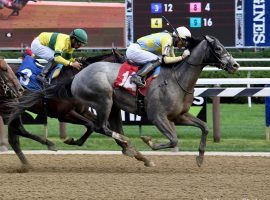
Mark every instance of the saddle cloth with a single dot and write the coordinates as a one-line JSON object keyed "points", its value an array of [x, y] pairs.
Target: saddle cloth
{"points": [[28, 71], [124, 75]]}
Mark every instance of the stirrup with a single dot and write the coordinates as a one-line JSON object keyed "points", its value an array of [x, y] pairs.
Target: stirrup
{"points": [[42, 79], [137, 80]]}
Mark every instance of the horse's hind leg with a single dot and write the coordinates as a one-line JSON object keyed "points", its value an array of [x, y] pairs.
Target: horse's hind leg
{"points": [[17, 126], [189, 120], [115, 121], [103, 112]]}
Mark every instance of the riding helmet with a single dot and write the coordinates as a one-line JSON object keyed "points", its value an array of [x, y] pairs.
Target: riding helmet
{"points": [[80, 35], [183, 32]]}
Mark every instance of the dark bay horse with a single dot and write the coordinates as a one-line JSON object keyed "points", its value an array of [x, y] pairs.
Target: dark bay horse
{"points": [[167, 101], [10, 87], [65, 110]]}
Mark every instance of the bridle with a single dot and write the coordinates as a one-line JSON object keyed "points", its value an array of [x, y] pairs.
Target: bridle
{"points": [[117, 57], [7, 88], [218, 64]]}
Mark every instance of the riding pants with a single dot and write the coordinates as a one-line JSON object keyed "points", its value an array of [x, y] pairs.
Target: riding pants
{"points": [[140, 56], [42, 51]]}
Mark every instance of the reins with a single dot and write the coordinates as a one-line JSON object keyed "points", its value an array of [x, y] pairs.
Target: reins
{"points": [[218, 65], [8, 90], [177, 81]]}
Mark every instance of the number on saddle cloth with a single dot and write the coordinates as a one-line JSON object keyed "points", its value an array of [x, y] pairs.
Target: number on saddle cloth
{"points": [[27, 73], [124, 76]]}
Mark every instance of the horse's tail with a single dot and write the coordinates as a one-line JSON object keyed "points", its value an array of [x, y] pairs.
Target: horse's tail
{"points": [[60, 90]]}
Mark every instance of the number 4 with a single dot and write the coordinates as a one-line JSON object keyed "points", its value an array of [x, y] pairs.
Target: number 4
{"points": [[207, 7]]}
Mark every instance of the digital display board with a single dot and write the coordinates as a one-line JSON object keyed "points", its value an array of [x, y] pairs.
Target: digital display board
{"points": [[202, 17], [236, 23]]}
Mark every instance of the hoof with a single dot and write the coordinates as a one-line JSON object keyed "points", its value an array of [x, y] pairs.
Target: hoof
{"points": [[70, 141], [149, 164], [199, 160], [128, 152], [52, 148], [24, 168], [146, 139]]}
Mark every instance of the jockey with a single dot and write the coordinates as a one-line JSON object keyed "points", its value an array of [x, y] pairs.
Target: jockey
{"points": [[7, 3], [150, 50], [57, 48]]}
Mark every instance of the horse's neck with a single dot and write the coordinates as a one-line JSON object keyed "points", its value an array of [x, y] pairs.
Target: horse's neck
{"points": [[65, 74], [14, 67], [188, 74]]}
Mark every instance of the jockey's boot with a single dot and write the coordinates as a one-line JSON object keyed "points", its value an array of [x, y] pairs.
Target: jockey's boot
{"points": [[137, 78], [42, 77]]}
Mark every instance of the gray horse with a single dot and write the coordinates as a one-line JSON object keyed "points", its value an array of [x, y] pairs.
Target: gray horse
{"points": [[167, 101]]}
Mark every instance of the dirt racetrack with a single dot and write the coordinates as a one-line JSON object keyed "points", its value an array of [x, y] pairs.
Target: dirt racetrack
{"points": [[116, 177]]}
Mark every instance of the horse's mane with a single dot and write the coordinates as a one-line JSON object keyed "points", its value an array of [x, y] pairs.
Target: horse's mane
{"points": [[193, 42], [167, 70], [97, 58]]}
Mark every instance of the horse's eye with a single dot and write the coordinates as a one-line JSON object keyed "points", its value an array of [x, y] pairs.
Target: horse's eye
{"points": [[218, 48]]}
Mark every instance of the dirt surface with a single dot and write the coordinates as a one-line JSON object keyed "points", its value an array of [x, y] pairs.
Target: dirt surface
{"points": [[116, 177]]}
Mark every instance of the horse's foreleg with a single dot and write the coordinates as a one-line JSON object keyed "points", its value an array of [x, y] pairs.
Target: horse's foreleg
{"points": [[81, 140], [77, 118], [166, 128], [14, 141], [189, 120]]}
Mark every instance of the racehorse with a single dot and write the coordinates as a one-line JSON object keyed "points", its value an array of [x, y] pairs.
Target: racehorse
{"points": [[167, 101], [14, 5], [71, 111], [10, 87]]}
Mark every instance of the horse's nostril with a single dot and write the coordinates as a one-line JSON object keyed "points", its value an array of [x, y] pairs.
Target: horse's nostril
{"points": [[236, 65]]}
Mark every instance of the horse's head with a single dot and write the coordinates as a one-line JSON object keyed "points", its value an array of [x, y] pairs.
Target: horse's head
{"points": [[220, 56], [119, 57], [9, 84]]}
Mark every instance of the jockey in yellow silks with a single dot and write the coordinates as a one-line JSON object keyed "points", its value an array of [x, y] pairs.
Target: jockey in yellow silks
{"points": [[57, 48], [152, 49]]}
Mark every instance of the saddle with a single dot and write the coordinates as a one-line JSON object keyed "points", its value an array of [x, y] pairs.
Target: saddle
{"points": [[123, 81], [28, 71]]}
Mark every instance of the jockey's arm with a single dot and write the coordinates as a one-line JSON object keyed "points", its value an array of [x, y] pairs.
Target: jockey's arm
{"points": [[58, 58], [169, 59], [169, 56], [63, 54]]}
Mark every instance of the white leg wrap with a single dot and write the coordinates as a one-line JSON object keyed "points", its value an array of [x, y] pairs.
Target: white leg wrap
{"points": [[116, 135]]}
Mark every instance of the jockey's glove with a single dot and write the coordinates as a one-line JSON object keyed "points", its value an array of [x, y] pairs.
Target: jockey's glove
{"points": [[186, 53], [81, 60]]}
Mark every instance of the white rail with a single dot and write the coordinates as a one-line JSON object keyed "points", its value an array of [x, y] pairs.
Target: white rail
{"points": [[18, 61], [240, 69], [232, 81]]}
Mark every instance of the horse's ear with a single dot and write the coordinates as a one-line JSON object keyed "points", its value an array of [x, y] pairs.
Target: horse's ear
{"points": [[209, 39]]}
